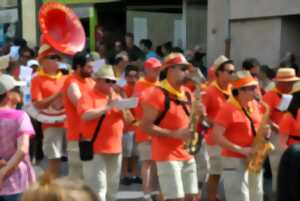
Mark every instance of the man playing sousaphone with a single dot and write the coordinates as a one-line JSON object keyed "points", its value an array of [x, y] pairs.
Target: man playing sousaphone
{"points": [[234, 130], [166, 118], [46, 95]]}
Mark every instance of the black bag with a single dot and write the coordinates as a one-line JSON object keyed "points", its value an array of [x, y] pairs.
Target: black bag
{"points": [[86, 147]]}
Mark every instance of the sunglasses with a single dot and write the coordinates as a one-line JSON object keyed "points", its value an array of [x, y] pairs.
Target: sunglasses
{"points": [[54, 57], [229, 71], [249, 88], [108, 81], [183, 68]]}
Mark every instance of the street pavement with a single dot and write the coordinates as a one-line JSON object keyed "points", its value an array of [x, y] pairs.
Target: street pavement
{"points": [[134, 192]]}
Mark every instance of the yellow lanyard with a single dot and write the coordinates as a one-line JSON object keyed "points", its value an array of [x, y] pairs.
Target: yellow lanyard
{"points": [[43, 73], [166, 85], [226, 92]]}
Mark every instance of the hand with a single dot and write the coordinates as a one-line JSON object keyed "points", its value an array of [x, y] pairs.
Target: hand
{"points": [[246, 150], [266, 130], [183, 134]]}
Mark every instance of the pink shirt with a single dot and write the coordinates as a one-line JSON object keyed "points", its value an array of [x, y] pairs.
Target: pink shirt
{"points": [[13, 124]]}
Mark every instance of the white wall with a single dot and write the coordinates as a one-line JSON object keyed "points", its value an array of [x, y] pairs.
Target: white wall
{"points": [[29, 22]]}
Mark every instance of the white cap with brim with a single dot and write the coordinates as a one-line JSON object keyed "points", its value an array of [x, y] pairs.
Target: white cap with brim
{"points": [[32, 62], [4, 61], [8, 83], [105, 72]]}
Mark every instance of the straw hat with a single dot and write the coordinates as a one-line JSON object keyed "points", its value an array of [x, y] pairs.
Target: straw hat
{"points": [[243, 78], [286, 75], [296, 87], [45, 50], [105, 72], [7, 83], [4, 61], [219, 61], [152, 63], [175, 59]]}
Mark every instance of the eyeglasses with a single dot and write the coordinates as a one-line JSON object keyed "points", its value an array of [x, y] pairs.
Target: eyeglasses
{"points": [[108, 81], [249, 88], [54, 57]]}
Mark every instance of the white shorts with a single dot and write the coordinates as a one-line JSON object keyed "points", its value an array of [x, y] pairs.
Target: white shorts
{"points": [[214, 159], [177, 178], [129, 145], [54, 142], [144, 150]]}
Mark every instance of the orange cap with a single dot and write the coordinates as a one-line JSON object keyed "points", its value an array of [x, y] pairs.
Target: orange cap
{"points": [[152, 63]]}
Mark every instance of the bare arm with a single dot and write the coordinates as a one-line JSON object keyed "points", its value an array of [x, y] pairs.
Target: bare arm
{"points": [[74, 93], [22, 150], [44, 103]]}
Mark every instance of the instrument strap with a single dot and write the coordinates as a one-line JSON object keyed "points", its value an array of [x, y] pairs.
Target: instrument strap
{"points": [[251, 121]]}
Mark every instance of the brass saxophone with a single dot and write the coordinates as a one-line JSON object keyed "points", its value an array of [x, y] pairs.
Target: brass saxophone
{"points": [[262, 146], [193, 145]]}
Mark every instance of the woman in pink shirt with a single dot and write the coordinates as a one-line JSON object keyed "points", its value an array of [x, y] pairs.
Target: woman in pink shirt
{"points": [[16, 172]]}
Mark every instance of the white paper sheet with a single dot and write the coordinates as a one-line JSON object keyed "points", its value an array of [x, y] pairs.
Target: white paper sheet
{"points": [[285, 102], [126, 103]]}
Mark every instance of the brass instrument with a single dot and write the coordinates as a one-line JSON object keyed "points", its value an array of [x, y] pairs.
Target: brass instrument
{"points": [[262, 147], [193, 145]]}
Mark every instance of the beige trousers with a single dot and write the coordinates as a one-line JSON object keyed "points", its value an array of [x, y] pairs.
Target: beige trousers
{"points": [[239, 184], [102, 174], [74, 162]]}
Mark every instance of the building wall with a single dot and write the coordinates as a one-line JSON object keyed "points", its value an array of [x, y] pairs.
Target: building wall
{"points": [[290, 36], [217, 28], [160, 26], [241, 9], [258, 38], [29, 22]]}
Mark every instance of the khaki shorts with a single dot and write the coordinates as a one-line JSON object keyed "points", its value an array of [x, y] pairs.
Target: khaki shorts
{"points": [[214, 160], [177, 178], [54, 142], [74, 162], [129, 145], [144, 150]]}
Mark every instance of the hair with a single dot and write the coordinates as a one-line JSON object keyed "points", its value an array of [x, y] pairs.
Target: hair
{"points": [[168, 46], [2, 97], [80, 59], [129, 34], [147, 43], [270, 73], [288, 181], [20, 42], [222, 66], [295, 104], [249, 63], [177, 50], [63, 189], [26, 49], [129, 68]]}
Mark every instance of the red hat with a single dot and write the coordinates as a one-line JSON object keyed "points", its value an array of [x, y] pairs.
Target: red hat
{"points": [[152, 63], [175, 59], [61, 28]]}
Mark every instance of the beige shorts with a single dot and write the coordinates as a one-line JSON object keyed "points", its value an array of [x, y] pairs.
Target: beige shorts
{"points": [[129, 145], [177, 178], [74, 162], [214, 160], [144, 150], [54, 142]]}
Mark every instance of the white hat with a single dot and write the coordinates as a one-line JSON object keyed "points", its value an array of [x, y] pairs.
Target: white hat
{"points": [[32, 62], [105, 72], [4, 61], [219, 61], [7, 83]]}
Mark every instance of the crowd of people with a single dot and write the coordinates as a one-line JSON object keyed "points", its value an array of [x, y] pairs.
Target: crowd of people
{"points": [[106, 144]]}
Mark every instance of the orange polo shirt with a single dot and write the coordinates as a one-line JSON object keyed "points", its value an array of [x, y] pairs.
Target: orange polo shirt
{"points": [[291, 127], [168, 148], [140, 91], [128, 89], [213, 100], [72, 120], [237, 125], [43, 87], [272, 98], [109, 139]]}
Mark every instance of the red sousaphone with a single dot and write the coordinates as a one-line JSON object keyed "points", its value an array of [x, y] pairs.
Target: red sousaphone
{"points": [[61, 28]]}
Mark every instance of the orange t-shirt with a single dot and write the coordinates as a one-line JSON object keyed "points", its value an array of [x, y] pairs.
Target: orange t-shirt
{"points": [[140, 89], [211, 74], [43, 87], [109, 139], [72, 120], [291, 127], [128, 89], [213, 100], [273, 99], [237, 125], [168, 148]]}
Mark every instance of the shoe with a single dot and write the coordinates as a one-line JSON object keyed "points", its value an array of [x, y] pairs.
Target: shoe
{"points": [[126, 181], [136, 180]]}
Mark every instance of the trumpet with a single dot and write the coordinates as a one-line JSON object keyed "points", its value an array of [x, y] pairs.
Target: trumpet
{"points": [[193, 144]]}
